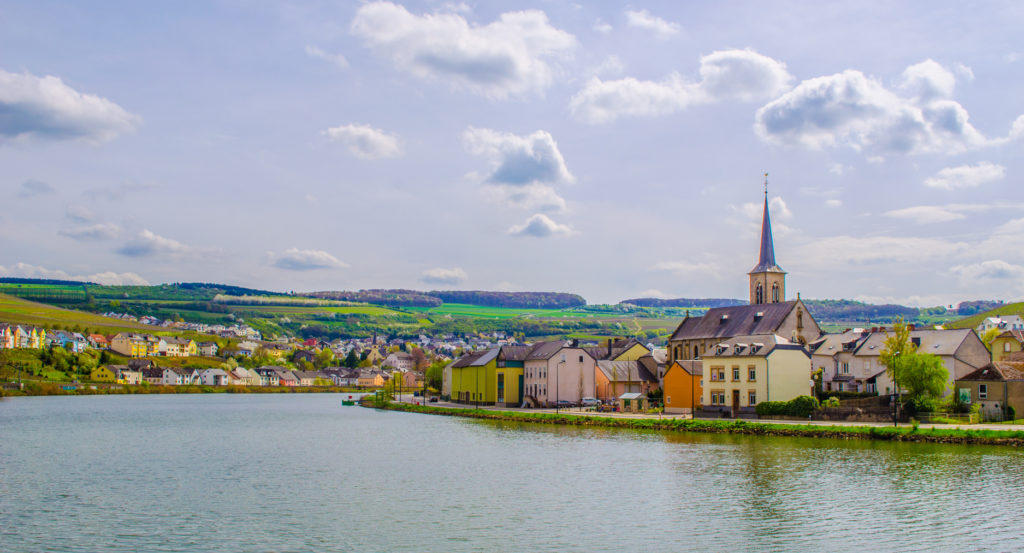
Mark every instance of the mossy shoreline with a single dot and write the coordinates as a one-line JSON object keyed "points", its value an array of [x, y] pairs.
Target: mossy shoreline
{"points": [[885, 433], [90, 389]]}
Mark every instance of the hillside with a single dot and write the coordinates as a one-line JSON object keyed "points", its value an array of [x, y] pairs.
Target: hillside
{"points": [[21, 311], [975, 320]]}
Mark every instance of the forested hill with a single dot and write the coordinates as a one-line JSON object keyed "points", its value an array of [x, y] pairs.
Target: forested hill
{"points": [[683, 302], [415, 298]]}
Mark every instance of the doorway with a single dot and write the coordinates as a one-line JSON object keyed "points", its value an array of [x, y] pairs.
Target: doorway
{"points": [[735, 403]]}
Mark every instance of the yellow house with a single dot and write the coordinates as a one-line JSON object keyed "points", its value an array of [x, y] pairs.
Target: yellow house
{"points": [[682, 386], [370, 379], [103, 374], [741, 372], [628, 349], [133, 345], [1008, 342], [490, 377]]}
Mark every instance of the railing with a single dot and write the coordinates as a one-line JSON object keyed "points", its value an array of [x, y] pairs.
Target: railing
{"points": [[952, 418]]}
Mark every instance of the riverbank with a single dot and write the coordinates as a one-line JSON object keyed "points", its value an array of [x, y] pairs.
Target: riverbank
{"points": [[887, 433], [83, 389]]}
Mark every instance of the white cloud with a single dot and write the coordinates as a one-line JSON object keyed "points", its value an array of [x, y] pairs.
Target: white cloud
{"points": [[602, 27], [508, 57], [46, 108], [653, 293], [336, 59], [365, 141], [612, 65], [924, 214], [644, 20], [854, 110], [519, 160], [532, 197], [147, 244], [80, 214], [995, 269], [294, 259], [833, 203], [98, 231], [686, 267], [927, 81], [32, 187], [777, 208], [540, 226], [109, 278], [966, 176], [439, 275], [741, 75]]}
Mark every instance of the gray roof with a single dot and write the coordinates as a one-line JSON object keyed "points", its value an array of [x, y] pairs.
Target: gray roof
{"points": [[545, 350], [737, 320], [937, 342], [766, 261], [623, 371], [997, 371], [758, 345]]}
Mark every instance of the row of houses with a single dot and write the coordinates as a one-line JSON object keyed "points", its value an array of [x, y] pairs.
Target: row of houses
{"points": [[28, 337], [269, 375]]}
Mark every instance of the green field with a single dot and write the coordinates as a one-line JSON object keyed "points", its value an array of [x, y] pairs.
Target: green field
{"points": [[20, 311], [480, 311], [975, 320]]}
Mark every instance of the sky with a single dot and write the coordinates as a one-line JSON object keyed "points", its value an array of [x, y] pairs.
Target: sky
{"points": [[614, 150]]}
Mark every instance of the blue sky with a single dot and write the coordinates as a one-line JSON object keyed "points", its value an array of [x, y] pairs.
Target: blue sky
{"points": [[614, 150]]}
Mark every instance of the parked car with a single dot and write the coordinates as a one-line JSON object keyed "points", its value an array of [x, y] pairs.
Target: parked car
{"points": [[563, 403], [591, 402], [433, 399]]}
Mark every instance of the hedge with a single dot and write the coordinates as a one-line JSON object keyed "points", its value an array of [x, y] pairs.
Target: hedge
{"points": [[801, 406]]}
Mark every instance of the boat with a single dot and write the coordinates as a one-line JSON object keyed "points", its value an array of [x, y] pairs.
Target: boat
{"points": [[349, 401]]}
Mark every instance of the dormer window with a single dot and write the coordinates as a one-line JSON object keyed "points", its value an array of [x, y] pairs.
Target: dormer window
{"points": [[724, 319]]}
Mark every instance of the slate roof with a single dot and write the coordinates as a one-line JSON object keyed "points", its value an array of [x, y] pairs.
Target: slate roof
{"points": [[766, 261], [544, 350], [937, 342], [623, 371], [737, 320], [760, 345], [476, 358]]}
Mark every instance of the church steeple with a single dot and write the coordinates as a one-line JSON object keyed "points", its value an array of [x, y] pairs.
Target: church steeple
{"points": [[767, 279]]}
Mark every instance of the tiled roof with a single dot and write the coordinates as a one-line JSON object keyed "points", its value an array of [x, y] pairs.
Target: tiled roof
{"points": [[998, 371], [725, 322]]}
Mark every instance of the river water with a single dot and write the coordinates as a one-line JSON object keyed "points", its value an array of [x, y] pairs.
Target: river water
{"points": [[283, 473]]}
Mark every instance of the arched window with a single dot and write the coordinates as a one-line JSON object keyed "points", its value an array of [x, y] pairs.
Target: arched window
{"points": [[695, 354], [759, 294], [775, 293]]}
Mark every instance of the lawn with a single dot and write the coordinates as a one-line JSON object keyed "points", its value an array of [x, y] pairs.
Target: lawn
{"points": [[19, 311], [480, 311]]}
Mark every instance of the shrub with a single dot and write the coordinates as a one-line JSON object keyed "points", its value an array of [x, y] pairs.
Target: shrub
{"points": [[831, 401], [1011, 413], [801, 406]]}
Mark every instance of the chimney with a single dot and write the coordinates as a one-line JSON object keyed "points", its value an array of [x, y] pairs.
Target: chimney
{"points": [[575, 343], [609, 348]]}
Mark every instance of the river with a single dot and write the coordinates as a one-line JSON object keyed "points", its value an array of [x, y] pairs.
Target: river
{"points": [[283, 473]]}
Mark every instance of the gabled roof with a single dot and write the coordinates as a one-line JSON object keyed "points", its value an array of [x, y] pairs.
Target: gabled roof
{"points": [[544, 350], [1015, 334], [623, 371], [515, 353], [737, 320], [758, 345], [831, 344], [997, 371], [937, 342], [693, 367]]}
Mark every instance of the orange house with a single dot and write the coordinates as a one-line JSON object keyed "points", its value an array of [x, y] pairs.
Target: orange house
{"points": [[682, 386]]}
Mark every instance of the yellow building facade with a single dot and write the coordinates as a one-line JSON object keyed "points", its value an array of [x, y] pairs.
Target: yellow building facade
{"points": [[743, 371]]}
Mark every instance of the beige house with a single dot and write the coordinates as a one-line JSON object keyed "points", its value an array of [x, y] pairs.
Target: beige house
{"points": [[745, 370], [849, 361], [1010, 341], [554, 371], [996, 387]]}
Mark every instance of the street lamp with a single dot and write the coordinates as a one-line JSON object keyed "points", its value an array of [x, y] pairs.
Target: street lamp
{"points": [[556, 385]]}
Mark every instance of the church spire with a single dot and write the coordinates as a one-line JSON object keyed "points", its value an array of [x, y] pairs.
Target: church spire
{"points": [[767, 279]]}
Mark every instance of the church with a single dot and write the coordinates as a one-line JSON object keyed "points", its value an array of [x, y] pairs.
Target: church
{"points": [[768, 312]]}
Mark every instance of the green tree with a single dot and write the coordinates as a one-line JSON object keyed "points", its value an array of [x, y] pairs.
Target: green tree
{"points": [[323, 358], [989, 336], [351, 360], [895, 346], [435, 374], [924, 377]]}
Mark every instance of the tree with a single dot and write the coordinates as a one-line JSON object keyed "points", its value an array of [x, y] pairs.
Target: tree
{"points": [[435, 374], [924, 377], [419, 359], [896, 345], [323, 358], [351, 360], [989, 336]]}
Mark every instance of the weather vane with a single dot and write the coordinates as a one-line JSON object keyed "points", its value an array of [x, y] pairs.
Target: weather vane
{"points": [[766, 186]]}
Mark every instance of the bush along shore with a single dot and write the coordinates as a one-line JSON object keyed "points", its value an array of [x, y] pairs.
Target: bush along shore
{"points": [[900, 434], [69, 389]]}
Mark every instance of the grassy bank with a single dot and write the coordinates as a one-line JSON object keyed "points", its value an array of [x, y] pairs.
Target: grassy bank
{"points": [[903, 433], [65, 389]]}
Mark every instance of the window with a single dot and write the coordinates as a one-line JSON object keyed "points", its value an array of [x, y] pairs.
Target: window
{"points": [[721, 374], [982, 391], [735, 374], [668, 399], [846, 367], [752, 398], [1006, 347], [752, 374], [581, 359], [775, 293]]}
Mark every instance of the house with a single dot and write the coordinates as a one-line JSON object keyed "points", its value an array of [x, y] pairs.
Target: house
{"points": [[152, 375], [682, 386], [103, 374], [1002, 323], [470, 375], [99, 341], [177, 376], [207, 349], [555, 371], [656, 363], [341, 376], [413, 380], [768, 313], [399, 360], [850, 361], [998, 388], [614, 378], [269, 375], [627, 349], [177, 347], [127, 375], [287, 378], [303, 355], [311, 378], [214, 377], [1009, 341], [134, 345], [245, 377], [745, 370], [370, 379]]}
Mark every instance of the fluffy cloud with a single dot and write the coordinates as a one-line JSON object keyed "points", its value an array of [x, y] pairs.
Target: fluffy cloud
{"points": [[294, 259], [508, 57], [98, 231], [438, 275], [80, 214], [109, 278], [365, 141], [644, 20], [33, 187], [523, 168], [147, 243], [540, 226], [852, 109], [46, 108], [742, 75], [995, 269], [966, 176], [336, 59]]}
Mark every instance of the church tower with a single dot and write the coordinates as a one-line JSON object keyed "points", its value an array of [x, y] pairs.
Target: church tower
{"points": [[767, 280]]}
